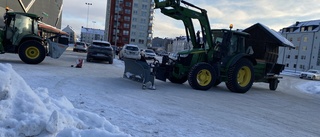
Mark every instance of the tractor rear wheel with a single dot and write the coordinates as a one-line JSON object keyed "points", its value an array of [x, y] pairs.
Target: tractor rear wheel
{"points": [[32, 52], [240, 76], [202, 76], [178, 80]]}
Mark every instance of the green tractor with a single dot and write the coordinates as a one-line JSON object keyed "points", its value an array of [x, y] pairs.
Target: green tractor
{"points": [[219, 57], [25, 35], [237, 58]]}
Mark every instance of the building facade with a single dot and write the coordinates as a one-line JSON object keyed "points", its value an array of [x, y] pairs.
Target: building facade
{"points": [[50, 10], [72, 34], [90, 34], [306, 38], [129, 21]]}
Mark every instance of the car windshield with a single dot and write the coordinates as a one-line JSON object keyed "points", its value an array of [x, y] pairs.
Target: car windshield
{"points": [[80, 43], [101, 44], [132, 48], [313, 71], [149, 51]]}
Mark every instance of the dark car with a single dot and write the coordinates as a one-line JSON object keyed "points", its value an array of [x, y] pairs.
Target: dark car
{"points": [[100, 50]]}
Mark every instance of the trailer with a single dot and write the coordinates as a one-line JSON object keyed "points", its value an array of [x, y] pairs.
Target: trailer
{"points": [[264, 43]]}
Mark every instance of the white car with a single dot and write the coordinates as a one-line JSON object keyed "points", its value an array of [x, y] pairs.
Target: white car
{"points": [[311, 74], [148, 53], [130, 51]]}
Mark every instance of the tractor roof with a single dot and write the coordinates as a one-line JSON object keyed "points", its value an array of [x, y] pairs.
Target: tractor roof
{"points": [[33, 16]]}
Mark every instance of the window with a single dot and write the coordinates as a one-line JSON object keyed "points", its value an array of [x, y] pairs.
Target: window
{"points": [[125, 32], [126, 18], [288, 56], [141, 41], [303, 57], [304, 48], [294, 65], [135, 5], [135, 12], [296, 57], [134, 26], [126, 25], [128, 4], [143, 13], [133, 40], [144, 6], [134, 19], [127, 11], [305, 39], [143, 20]]}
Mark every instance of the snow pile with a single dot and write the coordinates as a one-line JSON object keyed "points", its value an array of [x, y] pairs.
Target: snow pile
{"points": [[312, 87], [27, 112]]}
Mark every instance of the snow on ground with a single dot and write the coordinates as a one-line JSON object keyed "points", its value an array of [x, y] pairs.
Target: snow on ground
{"points": [[27, 112], [32, 111], [310, 87]]}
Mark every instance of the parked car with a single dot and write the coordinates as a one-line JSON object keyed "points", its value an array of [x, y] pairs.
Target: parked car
{"points": [[80, 46], [130, 51], [311, 74], [148, 53], [100, 50]]}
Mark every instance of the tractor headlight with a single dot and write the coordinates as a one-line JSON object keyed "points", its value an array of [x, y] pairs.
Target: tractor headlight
{"points": [[183, 55]]}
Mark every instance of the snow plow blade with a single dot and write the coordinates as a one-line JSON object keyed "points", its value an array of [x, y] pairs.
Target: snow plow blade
{"points": [[140, 71], [56, 49]]}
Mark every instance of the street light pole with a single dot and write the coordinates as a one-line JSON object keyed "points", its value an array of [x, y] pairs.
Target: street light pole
{"points": [[88, 12]]}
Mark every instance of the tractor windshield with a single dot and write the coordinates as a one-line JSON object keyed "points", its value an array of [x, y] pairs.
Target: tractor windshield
{"points": [[24, 24]]}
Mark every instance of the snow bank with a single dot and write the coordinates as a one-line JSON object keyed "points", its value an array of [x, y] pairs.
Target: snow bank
{"points": [[28, 112], [311, 87]]}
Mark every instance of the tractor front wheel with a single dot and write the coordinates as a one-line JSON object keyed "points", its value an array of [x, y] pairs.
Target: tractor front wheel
{"points": [[32, 52], [240, 76], [202, 76]]}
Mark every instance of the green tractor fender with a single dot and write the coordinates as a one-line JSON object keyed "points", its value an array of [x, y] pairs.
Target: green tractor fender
{"points": [[27, 38], [234, 59]]}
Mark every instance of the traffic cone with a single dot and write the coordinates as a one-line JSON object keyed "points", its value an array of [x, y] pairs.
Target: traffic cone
{"points": [[79, 63]]}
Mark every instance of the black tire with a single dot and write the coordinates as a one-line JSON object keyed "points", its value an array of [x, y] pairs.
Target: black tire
{"points": [[202, 76], [240, 76], [32, 52], [273, 84], [111, 61], [178, 80], [217, 83]]}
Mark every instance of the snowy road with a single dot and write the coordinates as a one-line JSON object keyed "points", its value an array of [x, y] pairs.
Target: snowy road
{"points": [[175, 110]]}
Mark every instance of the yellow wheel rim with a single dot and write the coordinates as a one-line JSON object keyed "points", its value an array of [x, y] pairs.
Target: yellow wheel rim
{"points": [[244, 76], [204, 77], [32, 52]]}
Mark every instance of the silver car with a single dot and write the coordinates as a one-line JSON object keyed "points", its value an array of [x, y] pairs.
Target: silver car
{"points": [[80, 46], [148, 53], [130, 51], [311, 74]]}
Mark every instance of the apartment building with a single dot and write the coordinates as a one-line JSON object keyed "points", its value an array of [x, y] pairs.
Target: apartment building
{"points": [[305, 36], [129, 21], [50, 10], [90, 34]]}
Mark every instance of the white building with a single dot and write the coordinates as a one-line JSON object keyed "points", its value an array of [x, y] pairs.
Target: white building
{"points": [[72, 34], [306, 38], [89, 34]]}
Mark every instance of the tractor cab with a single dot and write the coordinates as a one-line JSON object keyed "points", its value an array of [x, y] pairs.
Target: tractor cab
{"points": [[228, 43], [19, 26]]}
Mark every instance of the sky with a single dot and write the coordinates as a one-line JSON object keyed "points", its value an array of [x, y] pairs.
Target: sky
{"points": [[52, 99], [276, 14]]}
